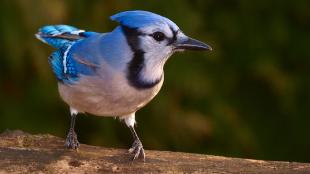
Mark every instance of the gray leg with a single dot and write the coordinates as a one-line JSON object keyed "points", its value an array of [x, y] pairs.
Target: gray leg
{"points": [[72, 141], [136, 148]]}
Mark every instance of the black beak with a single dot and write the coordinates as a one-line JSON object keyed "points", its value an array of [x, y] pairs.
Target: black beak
{"points": [[192, 44]]}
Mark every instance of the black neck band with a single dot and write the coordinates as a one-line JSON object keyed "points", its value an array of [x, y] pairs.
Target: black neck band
{"points": [[136, 65]]}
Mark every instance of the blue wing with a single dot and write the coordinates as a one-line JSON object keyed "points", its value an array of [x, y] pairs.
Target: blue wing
{"points": [[64, 71], [63, 37]]}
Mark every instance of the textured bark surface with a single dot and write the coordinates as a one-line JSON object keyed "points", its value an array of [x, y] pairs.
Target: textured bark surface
{"points": [[25, 153]]}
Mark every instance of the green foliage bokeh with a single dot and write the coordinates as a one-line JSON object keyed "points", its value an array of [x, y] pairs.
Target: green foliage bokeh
{"points": [[249, 98]]}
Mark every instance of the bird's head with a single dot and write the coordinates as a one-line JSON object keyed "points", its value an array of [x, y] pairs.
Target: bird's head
{"points": [[153, 39]]}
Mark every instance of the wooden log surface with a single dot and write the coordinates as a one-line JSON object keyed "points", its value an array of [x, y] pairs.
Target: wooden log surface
{"points": [[21, 152]]}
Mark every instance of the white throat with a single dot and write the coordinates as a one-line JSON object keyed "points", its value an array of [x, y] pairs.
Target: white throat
{"points": [[153, 69]]}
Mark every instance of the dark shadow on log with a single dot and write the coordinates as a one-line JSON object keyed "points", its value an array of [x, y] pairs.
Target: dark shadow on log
{"points": [[25, 153]]}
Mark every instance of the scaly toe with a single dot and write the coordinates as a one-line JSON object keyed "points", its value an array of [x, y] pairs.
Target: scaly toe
{"points": [[137, 150], [71, 141], [134, 147]]}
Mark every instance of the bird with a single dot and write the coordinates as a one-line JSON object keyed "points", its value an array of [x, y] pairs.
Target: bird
{"points": [[114, 74]]}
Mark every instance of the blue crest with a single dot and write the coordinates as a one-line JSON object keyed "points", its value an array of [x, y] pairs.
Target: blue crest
{"points": [[139, 18]]}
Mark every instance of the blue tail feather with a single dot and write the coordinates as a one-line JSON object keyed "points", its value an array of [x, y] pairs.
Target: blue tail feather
{"points": [[57, 29], [60, 35]]}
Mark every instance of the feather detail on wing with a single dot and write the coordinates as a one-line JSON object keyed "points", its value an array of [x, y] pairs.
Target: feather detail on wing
{"points": [[63, 66], [66, 67]]}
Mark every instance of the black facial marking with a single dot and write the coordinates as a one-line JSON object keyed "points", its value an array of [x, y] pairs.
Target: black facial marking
{"points": [[136, 65], [174, 37]]}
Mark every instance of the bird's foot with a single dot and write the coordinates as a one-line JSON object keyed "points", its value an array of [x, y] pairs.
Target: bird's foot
{"points": [[137, 150], [72, 141]]}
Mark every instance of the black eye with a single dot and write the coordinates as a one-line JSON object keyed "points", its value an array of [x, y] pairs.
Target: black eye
{"points": [[159, 36]]}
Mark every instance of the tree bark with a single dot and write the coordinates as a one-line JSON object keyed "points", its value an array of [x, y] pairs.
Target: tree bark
{"points": [[21, 152]]}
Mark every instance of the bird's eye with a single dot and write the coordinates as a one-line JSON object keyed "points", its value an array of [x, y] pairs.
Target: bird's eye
{"points": [[158, 36]]}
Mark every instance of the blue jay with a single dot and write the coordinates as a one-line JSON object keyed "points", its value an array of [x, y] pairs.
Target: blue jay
{"points": [[115, 73]]}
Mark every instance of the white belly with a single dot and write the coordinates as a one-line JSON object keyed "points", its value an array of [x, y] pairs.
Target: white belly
{"points": [[106, 96]]}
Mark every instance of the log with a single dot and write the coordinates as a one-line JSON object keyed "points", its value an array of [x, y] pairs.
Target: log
{"points": [[22, 152]]}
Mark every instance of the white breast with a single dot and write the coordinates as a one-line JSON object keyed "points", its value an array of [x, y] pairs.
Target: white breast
{"points": [[106, 96]]}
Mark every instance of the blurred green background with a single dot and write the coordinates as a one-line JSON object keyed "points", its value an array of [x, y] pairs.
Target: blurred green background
{"points": [[248, 98]]}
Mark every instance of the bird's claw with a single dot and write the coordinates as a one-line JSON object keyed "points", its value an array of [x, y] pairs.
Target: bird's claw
{"points": [[72, 141], [137, 150]]}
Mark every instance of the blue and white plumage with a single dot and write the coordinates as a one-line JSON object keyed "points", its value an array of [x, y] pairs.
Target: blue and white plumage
{"points": [[115, 73]]}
